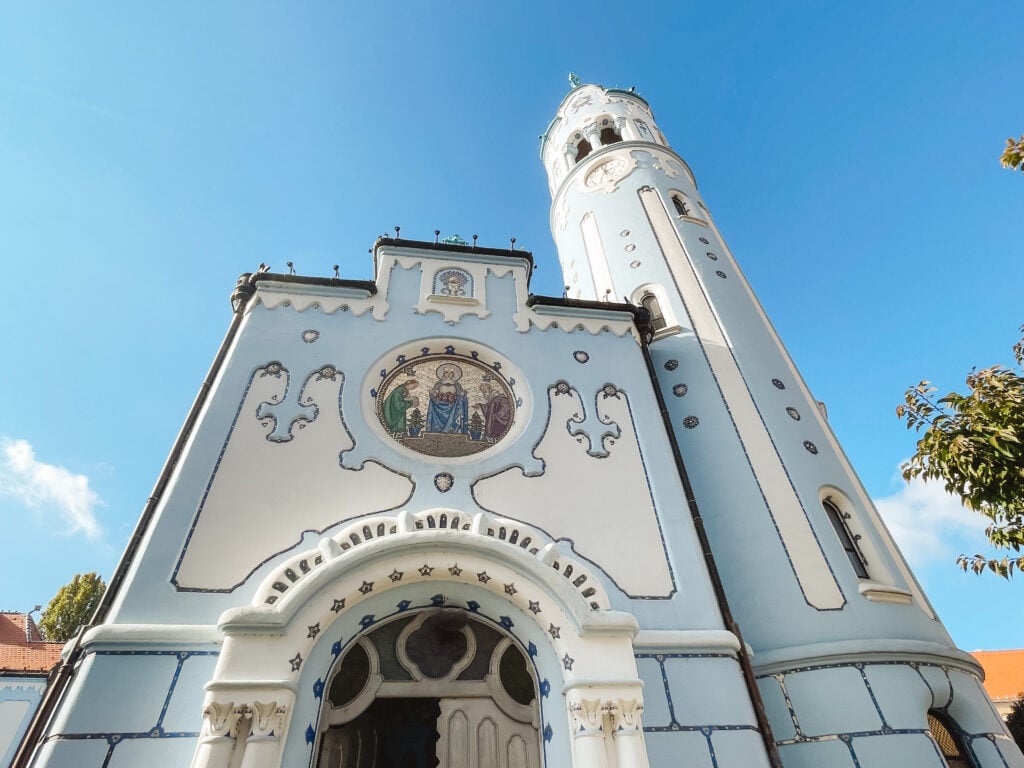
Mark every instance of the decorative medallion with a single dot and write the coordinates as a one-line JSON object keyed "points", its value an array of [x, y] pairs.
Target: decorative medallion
{"points": [[720, 273], [445, 405], [310, 336], [624, 233], [630, 248], [811, 447], [444, 481], [634, 264], [607, 173], [679, 390], [705, 241], [690, 422], [671, 365], [580, 356], [793, 413], [457, 283], [712, 256], [777, 383]]}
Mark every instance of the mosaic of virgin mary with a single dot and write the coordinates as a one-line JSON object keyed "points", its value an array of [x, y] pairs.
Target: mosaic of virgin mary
{"points": [[444, 406]]}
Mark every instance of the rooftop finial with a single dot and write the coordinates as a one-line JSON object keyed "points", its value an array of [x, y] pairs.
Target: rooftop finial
{"points": [[574, 80]]}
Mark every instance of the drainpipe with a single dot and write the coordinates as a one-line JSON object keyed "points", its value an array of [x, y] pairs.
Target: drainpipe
{"points": [[61, 675], [709, 562]]}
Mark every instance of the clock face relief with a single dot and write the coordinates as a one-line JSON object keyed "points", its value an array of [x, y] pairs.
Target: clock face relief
{"points": [[446, 406], [607, 173]]}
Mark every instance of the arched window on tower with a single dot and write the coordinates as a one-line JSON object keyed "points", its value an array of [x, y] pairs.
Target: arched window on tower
{"points": [[583, 149], [947, 737], [847, 539], [609, 135], [680, 205], [650, 302], [651, 297]]}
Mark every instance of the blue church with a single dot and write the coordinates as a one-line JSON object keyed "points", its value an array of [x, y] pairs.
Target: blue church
{"points": [[434, 519]]}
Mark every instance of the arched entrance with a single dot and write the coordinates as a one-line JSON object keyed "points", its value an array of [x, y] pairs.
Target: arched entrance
{"points": [[267, 704], [436, 688]]}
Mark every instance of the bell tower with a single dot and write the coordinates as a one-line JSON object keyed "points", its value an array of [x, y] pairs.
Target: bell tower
{"points": [[810, 572]]}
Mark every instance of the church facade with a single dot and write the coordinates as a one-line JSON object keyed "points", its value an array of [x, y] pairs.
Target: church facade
{"points": [[433, 519]]}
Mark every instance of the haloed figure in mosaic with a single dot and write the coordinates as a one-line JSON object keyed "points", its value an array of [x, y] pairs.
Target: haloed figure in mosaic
{"points": [[449, 405], [397, 403], [496, 410]]}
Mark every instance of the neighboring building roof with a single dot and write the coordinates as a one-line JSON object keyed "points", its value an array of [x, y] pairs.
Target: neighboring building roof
{"points": [[22, 648], [1004, 673]]}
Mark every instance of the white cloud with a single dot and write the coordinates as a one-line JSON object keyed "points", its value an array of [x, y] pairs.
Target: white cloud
{"points": [[931, 525], [47, 487]]}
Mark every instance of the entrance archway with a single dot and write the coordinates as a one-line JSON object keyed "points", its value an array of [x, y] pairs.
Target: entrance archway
{"points": [[439, 687]]}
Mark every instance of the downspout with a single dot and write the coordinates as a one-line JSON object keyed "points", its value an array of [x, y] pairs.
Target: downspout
{"points": [[709, 562], [61, 675]]}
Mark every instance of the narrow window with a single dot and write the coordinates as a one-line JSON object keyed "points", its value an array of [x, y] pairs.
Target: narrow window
{"points": [[650, 303], [946, 736], [680, 206], [609, 136], [582, 149], [838, 520]]}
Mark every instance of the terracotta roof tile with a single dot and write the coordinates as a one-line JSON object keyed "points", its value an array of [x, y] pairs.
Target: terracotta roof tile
{"points": [[1004, 673], [22, 648]]}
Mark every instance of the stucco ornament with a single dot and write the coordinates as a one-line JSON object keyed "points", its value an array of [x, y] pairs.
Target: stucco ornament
{"points": [[607, 174]]}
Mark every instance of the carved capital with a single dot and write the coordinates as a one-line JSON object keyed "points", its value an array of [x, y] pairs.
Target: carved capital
{"points": [[267, 719], [587, 715], [627, 714], [220, 720]]}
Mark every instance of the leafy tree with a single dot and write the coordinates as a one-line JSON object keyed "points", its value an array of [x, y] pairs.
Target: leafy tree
{"points": [[72, 607], [1015, 722], [1013, 155], [974, 443]]}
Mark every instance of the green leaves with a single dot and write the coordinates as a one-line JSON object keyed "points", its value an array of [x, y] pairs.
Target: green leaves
{"points": [[1013, 155], [973, 443], [72, 607]]}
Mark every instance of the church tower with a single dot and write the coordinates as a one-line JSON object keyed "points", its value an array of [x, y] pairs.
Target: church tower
{"points": [[845, 646], [433, 519]]}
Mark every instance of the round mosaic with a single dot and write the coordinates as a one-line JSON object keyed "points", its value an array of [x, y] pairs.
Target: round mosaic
{"points": [[446, 406], [720, 273], [705, 241], [580, 356], [679, 390], [634, 264], [310, 336], [777, 383], [691, 422], [671, 365], [793, 413], [713, 256], [811, 447]]}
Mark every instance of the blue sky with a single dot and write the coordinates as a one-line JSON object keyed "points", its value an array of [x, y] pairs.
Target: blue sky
{"points": [[149, 153]]}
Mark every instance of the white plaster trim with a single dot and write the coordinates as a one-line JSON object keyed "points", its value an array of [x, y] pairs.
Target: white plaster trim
{"points": [[601, 682], [665, 639], [152, 634], [866, 652], [215, 686], [466, 301], [884, 593], [275, 619], [593, 321], [329, 298]]}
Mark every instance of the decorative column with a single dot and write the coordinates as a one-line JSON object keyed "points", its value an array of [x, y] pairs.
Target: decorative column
{"points": [[588, 733], [630, 748], [262, 746], [219, 735], [592, 133], [626, 129]]}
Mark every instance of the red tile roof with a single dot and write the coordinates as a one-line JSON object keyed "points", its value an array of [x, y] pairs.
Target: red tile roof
{"points": [[1004, 673], [22, 648]]}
